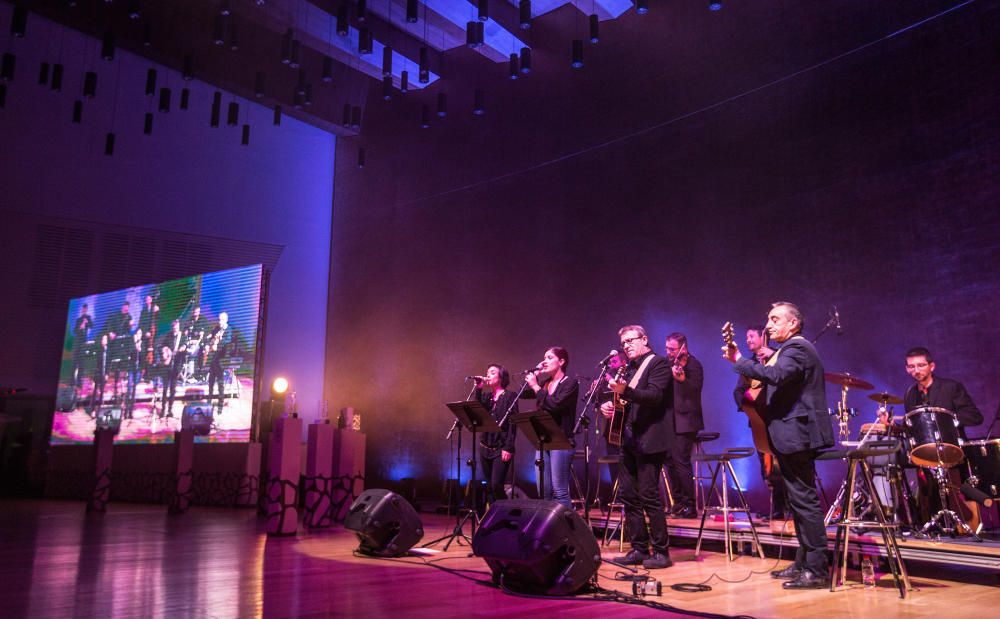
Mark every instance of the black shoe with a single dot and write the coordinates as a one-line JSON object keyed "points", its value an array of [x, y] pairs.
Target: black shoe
{"points": [[685, 512], [633, 557], [779, 516], [807, 580], [789, 573], [657, 561]]}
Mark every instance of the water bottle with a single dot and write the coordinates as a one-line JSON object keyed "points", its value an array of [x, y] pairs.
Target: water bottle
{"points": [[868, 572]]}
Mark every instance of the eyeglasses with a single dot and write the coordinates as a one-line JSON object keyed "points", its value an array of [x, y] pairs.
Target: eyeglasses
{"points": [[629, 340]]}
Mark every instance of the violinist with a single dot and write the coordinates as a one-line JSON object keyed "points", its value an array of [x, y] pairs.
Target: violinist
{"points": [[685, 419]]}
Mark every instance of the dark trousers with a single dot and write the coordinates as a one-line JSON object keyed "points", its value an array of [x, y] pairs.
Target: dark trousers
{"points": [[798, 470], [779, 504], [679, 469], [216, 379], [640, 493], [495, 475]]}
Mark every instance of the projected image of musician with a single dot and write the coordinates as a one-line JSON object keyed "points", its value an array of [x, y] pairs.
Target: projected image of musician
{"points": [[119, 331], [81, 337], [195, 329], [171, 359], [148, 317], [497, 447], [221, 344]]}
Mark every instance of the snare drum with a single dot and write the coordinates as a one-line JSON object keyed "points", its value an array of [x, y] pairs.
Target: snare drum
{"points": [[983, 465], [933, 437]]}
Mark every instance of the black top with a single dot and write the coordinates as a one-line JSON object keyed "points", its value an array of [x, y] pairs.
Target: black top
{"points": [[945, 393], [797, 416], [561, 404], [685, 397], [647, 429], [504, 439]]}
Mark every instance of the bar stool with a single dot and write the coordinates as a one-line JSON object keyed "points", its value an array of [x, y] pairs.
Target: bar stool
{"points": [[613, 504], [722, 469], [857, 460], [699, 497], [580, 502]]}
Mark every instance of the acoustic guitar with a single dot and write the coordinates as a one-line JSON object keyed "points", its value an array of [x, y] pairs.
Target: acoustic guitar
{"points": [[617, 421], [753, 399]]}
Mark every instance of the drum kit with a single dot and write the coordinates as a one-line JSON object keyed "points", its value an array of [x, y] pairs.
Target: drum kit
{"points": [[930, 440]]}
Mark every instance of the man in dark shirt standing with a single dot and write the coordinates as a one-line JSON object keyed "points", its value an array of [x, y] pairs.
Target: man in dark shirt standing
{"points": [[685, 417], [81, 332], [645, 440], [797, 426]]}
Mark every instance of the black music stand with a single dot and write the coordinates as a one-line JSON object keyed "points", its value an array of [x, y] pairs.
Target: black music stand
{"points": [[545, 434], [475, 418]]}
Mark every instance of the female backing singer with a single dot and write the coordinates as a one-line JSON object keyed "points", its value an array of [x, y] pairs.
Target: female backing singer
{"points": [[556, 394], [497, 447]]}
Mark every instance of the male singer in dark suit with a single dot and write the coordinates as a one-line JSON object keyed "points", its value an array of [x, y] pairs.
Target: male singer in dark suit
{"points": [[684, 412], [645, 440], [798, 424]]}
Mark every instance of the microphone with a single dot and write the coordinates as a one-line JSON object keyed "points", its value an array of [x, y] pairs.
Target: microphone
{"points": [[608, 358], [836, 321], [537, 368], [476, 378]]}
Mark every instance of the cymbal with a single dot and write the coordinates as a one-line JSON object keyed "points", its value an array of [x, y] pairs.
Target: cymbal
{"points": [[847, 380], [886, 397]]}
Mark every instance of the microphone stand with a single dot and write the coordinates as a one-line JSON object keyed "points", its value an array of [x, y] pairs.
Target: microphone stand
{"points": [[829, 323], [996, 418], [458, 457], [583, 421]]}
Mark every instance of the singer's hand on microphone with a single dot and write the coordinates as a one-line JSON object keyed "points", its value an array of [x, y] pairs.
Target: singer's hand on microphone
{"points": [[532, 379]]}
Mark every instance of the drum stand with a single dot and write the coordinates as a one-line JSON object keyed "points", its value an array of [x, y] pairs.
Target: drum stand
{"points": [[947, 520]]}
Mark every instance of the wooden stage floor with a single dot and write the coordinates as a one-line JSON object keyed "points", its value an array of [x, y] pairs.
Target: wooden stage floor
{"points": [[138, 561]]}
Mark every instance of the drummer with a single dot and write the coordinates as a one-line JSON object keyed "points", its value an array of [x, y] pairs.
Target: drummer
{"points": [[931, 390]]}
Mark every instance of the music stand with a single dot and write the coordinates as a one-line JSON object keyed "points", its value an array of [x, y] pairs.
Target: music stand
{"points": [[475, 418], [545, 434]]}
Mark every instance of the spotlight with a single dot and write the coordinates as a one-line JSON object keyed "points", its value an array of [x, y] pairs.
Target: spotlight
{"points": [[164, 100], [577, 61], [134, 9], [346, 116], [225, 8], [364, 41], [525, 60], [356, 117], [258, 84], [442, 108], [387, 88], [57, 75], [286, 46], [3, 96], [277, 115], [185, 98], [298, 101], [147, 125], [300, 86], [424, 74], [108, 46], [219, 30], [216, 108], [246, 135], [361, 157], [425, 117], [187, 72], [404, 81], [90, 85], [295, 60], [478, 102], [43, 74], [386, 61], [327, 75], [515, 66], [7, 67], [362, 11], [234, 37], [595, 27], [147, 35], [715, 5], [109, 144], [524, 14], [342, 22], [78, 111], [278, 388], [411, 11], [470, 34], [19, 21], [641, 6], [150, 82], [309, 95]]}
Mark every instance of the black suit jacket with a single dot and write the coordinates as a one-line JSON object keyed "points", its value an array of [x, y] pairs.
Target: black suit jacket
{"points": [[647, 425], [685, 405], [946, 393], [797, 416]]}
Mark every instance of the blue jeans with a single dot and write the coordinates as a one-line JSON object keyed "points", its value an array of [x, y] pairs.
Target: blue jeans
{"points": [[557, 475]]}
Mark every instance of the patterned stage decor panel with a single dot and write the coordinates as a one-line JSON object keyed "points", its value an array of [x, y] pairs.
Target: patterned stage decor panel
{"points": [[154, 359]]}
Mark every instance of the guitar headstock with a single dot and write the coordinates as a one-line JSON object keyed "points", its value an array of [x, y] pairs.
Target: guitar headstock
{"points": [[728, 336]]}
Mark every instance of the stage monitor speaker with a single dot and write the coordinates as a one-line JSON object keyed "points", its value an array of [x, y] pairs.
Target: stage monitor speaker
{"points": [[538, 547], [385, 523], [109, 419], [198, 418]]}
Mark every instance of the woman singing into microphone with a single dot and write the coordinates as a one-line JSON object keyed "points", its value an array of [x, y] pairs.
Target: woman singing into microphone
{"points": [[556, 394], [497, 447]]}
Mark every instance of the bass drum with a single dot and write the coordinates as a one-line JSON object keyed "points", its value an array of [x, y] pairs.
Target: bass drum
{"points": [[933, 437], [982, 468]]}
